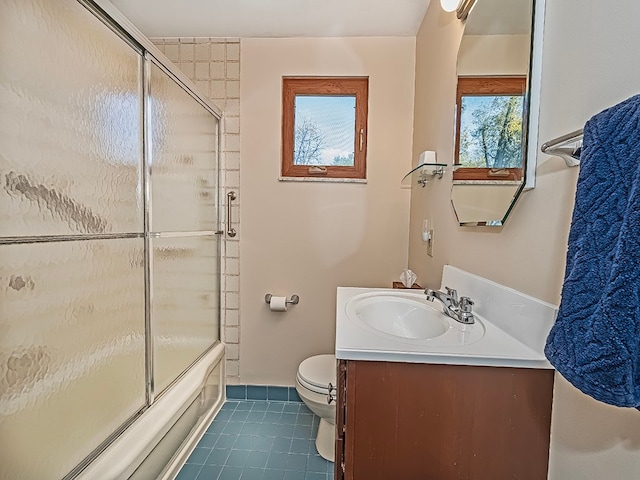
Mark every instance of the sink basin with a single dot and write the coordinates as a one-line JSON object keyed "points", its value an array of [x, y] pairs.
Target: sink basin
{"points": [[398, 316]]}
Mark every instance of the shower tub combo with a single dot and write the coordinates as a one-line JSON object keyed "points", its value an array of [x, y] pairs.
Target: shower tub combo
{"points": [[111, 363]]}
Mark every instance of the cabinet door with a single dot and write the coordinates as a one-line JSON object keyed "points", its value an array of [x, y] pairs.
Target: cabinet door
{"points": [[446, 422], [341, 407]]}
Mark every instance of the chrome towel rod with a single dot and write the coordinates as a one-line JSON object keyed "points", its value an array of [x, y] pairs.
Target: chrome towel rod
{"points": [[558, 146]]}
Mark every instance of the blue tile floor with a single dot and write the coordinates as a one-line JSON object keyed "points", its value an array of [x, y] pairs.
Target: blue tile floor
{"points": [[259, 440]]}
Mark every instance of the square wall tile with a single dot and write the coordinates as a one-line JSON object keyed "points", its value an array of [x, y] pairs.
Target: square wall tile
{"points": [[233, 71], [278, 393], [231, 335], [233, 52], [257, 392], [218, 52], [293, 395], [202, 52], [237, 392], [187, 52]]}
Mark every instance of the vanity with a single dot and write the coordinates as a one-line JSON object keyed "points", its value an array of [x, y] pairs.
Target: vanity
{"points": [[422, 396]]}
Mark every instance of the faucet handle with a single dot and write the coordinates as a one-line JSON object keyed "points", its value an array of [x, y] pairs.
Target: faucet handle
{"points": [[453, 293], [466, 304]]}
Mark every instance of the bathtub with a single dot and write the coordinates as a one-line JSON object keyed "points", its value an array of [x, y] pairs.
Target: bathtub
{"points": [[159, 441]]}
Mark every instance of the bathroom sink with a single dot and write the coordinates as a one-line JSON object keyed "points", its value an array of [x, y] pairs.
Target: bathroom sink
{"points": [[398, 316]]}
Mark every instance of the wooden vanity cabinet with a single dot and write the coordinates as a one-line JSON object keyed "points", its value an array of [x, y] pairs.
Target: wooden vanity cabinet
{"points": [[409, 421]]}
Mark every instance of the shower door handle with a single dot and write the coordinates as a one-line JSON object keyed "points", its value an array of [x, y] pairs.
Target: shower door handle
{"points": [[230, 231]]}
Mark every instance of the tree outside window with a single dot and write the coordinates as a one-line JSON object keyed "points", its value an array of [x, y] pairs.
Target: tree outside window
{"points": [[489, 136]]}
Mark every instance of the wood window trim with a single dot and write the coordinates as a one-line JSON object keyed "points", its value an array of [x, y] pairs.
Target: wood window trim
{"points": [[292, 86], [486, 86]]}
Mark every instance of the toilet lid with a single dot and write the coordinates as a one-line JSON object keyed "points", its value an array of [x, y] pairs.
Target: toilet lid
{"points": [[318, 371]]}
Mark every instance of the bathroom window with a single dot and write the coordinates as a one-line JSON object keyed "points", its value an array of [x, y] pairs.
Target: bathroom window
{"points": [[490, 113], [324, 127]]}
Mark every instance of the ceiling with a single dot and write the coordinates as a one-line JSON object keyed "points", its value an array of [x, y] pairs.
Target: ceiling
{"points": [[274, 18]]}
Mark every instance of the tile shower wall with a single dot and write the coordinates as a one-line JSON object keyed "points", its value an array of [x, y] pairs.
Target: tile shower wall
{"points": [[214, 65]]}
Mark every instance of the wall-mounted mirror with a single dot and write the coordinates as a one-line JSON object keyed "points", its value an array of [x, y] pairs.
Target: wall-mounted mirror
{"points": [[498, 70]]}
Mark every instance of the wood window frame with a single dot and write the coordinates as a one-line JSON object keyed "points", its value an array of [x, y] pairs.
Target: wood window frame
{"points": [[487, 86], [357, 86]]}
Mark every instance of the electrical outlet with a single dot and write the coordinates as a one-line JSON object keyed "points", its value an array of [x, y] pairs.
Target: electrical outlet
{"points": [[430, 244]]}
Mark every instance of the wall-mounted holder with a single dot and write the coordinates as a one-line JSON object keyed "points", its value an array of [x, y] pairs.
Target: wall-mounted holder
{"points": [[427, 168], [294, 300], [423, 173]]}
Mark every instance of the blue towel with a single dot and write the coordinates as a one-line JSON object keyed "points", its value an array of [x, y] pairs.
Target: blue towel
{"points": [[595, 342]]}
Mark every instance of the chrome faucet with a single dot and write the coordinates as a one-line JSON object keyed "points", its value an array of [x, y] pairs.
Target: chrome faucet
{"points": [[459, 310]]}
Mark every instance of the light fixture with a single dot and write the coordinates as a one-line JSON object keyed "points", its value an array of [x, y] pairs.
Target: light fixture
{"points": [[450, 5], [461, 7]]}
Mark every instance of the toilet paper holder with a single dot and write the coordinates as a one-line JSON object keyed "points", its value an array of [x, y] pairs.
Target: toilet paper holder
{"points": [[294, 300]]}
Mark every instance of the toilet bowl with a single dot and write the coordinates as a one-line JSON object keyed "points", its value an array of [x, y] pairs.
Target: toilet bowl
{"points": [[312, 384]]}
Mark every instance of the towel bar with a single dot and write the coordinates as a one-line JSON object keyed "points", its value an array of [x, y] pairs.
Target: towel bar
{"points": [[558, 146]]}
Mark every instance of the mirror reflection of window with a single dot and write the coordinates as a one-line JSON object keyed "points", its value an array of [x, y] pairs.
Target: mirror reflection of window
{"points": [[489, 130]]}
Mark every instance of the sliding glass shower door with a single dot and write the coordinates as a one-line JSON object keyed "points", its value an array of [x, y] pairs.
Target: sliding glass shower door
{"points": [[183, 220], [109, 259]]}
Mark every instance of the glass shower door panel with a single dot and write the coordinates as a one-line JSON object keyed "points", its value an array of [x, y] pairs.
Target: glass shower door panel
{"points": [[70, 123], [183, 160], [72, 359], [185, 310]]}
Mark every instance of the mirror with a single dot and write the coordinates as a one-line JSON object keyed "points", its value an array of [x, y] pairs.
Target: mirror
{"points": [[498, 70]]}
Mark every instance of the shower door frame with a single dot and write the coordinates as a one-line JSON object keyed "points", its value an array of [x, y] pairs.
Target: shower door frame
{"points": [[104, 11]]}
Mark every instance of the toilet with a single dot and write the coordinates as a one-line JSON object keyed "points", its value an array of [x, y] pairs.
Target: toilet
{"points": [[312, 384]]}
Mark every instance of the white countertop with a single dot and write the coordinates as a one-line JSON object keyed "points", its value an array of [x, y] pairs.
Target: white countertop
{"points": [[355, 341]]}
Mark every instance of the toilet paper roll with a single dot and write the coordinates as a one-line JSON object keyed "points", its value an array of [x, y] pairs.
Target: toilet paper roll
{"points": [[278, 304]]}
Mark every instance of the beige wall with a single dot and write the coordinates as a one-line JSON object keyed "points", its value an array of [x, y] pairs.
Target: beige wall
{"points": [[309, 238], [494, 55], [589, 63]]}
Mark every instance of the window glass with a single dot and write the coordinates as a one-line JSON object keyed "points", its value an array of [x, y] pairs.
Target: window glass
{"points": [[491, 131], [324, 130]]}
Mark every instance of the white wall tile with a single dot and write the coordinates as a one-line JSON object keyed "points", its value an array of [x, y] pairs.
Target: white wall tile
{"points": [[231, 142], [232, 179], [172, 52], [231, 125], [233, 70], [233, 88], [233, 369], [233, 52], [232, 318], [232, 300], [231, 335], [202, 52], [188, 69], [233, 351], [218, 52], [217, 70], [233, 266], [232, 283], [202, 71], [233, 251], [187, 52], [232, 106]]}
